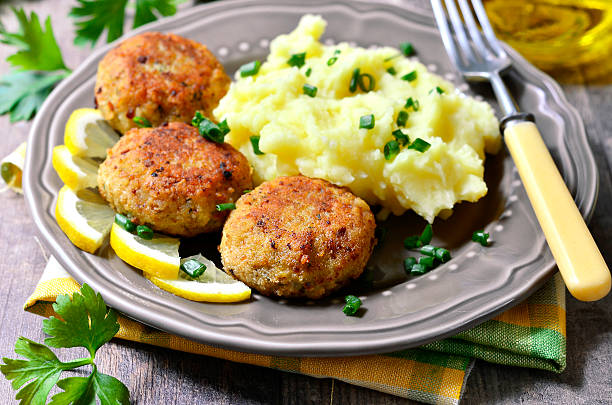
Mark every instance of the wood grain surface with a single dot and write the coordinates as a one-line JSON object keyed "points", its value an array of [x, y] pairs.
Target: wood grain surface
{"points": [[159, 376]]}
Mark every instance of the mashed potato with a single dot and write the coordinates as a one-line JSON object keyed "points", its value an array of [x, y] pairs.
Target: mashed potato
{"points": [[320, 136]]}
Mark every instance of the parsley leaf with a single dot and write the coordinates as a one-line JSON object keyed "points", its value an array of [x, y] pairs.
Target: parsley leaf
{"points": [[144, 10], [37, 48], [22, 93], [94, 16], [86, 322]]}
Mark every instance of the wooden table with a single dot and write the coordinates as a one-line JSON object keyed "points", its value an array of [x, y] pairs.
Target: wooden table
{"points": [[159, 376]]}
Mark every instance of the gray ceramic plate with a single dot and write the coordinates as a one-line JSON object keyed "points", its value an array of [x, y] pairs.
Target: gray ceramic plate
{"points": [[399, 312]]}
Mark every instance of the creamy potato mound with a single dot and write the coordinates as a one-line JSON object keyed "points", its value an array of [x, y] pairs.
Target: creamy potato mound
{"points": [[320, 136]]}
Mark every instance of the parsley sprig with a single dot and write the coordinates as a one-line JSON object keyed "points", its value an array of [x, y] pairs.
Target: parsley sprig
{"points": [[83, 321], [38, 66], [93, 17]]}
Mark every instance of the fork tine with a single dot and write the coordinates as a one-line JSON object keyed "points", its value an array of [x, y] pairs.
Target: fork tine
{"points": [[445, 32], [475, 34], [486, 28], [460, 30]]}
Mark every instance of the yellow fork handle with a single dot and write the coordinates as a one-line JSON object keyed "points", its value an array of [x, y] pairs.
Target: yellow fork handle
{"points": [[581, 264]]}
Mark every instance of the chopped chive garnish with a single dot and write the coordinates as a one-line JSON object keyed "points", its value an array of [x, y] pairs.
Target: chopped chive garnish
{"points": [[442, 254], [397, 55], [142, 122], [193, 268], [439, 89], [367, 121], [427, 261], [255, 144], [250, 69], [426, 235], [354, 81], [371, 82], [144, 232], [410, 76], [212, 131], [297, 59], [402, 117], [225, 206], [332, 60], [392, 71], [352, 305], [481, 237], [418, 270], [412, 242], [197, 118], [401, 137], [224, 127], [408, 263], [308, 72], [428, 250], [246, 191], [419, 145], [391, 149], [125, 223], [310, 90], [407, 48]]}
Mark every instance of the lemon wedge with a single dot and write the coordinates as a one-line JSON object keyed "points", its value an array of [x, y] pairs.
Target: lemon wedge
{"points": [[158, 257], [87, 134], [12, 167], [84, 217], [76, 172], [212, 286]]}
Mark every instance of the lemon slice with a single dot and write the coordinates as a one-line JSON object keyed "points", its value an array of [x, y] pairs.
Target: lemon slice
{"points": [[11, 168], [76, 172], [84, 217], [159, 256], [87, 134], [212, 286]]}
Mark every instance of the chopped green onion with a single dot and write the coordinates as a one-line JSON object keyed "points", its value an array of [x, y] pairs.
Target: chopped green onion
{"points": [[224, 127], [407, 48], [408, 263], [438, 89], [250, 69], [337, 52], [392, 71], [144, 232], [197, 119], [418, 270], [367, 121], [419, 145], [481, 237], [310, 90], [371, 82], [412, 242], [352, 305], [354, 81], [308, 72], [193, 268], [426, 235], [246, 191], [125, 223], [401, 137], [297, 59], [225, 206], [332, 60], [402, 117], [142, 122], [211, 131], [442, 254], [427, 261], [391, 149], [255, 144], [410, 76], [428, 250]]}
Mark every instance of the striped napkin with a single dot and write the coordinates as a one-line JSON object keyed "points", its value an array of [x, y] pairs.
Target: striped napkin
{"points": [[532, 334]]}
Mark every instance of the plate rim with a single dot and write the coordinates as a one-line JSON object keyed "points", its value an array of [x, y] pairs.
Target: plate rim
{"points": [[116, 300]]}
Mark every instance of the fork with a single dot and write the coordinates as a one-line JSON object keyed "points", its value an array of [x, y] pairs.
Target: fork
{"points": [[479, 57]]}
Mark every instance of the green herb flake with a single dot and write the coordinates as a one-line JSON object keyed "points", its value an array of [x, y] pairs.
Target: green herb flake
{"points": [[392, 71], [367, 121], [225, 207], [419, 145], [412, 242], [310, 90], [255, 144], [193, 268], [125, 223], [144, 232], [308, 72], [410, 76], [402, 118], [142, 122], [407, 48], [401, 137], [210, 130], [481, 237], [391, 149], [352, 305], [354, 81], [408, 263], [426, 235], [297, 59], [250, 69]]}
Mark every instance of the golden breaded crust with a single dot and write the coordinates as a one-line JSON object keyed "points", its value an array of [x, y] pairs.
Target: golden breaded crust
{"points": [[171, 178], [298, 237], [162, 77]]}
